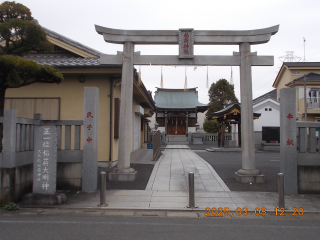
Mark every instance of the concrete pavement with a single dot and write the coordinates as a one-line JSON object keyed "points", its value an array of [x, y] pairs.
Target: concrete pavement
{"points": [[167, 189]]}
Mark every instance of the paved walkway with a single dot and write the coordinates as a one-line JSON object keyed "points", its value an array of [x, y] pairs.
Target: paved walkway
{"points": [[171, 172], [167, 189]]}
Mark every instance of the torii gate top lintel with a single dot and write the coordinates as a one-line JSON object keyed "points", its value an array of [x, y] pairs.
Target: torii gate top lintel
{"points": [[201, 37]]}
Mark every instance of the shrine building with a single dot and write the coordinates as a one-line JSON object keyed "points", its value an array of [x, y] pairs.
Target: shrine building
{"points": [[177, 110]]}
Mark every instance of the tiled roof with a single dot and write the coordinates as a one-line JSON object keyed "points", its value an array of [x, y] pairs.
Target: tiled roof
{"points": [[272, 94], [63, 60], [310, 77], [71, 42], [177, 99], [66, 60]]}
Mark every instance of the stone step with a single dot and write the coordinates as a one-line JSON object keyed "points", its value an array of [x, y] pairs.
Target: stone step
{"points": [[178, 139], [178, 143]]}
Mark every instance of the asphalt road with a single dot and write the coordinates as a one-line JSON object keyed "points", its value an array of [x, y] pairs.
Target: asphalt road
{"points": [[227, 163], [110, 227]]}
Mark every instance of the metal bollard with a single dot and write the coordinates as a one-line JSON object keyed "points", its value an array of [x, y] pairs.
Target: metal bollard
{"points": [[191, 191], [103, 197], [281, 190]]}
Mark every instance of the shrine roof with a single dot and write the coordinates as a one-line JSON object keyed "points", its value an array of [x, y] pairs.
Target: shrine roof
{"points": [[229, 110], [178, 99]]}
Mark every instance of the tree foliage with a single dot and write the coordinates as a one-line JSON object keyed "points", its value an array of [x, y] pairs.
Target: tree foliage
{"points": [[19, 35], [210, 126], [221, 94]]}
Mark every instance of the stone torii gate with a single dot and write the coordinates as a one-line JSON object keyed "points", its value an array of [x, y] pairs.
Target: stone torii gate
{"points": [[186, 38]]}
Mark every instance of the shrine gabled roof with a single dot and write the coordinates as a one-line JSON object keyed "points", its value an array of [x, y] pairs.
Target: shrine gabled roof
{"points": [[232, 108], [178, 99]]}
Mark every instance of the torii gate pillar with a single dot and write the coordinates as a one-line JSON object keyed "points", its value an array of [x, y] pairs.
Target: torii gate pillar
{"points": [[123, 172], [248, 173]]}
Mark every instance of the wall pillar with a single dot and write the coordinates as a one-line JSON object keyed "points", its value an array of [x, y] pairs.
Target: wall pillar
{"points": [[123, 172], [9, 138], [248, 173]]}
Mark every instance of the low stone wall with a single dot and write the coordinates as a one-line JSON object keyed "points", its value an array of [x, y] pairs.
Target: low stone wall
{"points": [[309, 179], [270, 147], [14, 183], [69, 176]]}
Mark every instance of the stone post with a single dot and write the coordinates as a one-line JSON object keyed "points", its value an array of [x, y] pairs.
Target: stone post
{"points": [[187, 124], [123, 172], [9, 138], [288, 140], [90, 139], [45, 159], [165, 123], [248, 173]]}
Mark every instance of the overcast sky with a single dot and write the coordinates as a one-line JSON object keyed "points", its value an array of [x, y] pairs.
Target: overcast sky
{"points": [[298, 19]]}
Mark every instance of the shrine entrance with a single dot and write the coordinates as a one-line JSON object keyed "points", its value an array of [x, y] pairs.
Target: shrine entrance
{"points": [[186, 38], [176, 126]]}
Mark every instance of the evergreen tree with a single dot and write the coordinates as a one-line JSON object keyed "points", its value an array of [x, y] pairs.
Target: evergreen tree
{"points": [[221, 94], [19, 35]]}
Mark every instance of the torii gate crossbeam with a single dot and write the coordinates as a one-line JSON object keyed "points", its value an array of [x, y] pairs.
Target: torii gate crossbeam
{"points": [[187, 38]]}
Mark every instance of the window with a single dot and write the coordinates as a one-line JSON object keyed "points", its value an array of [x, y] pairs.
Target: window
{"points": [[266, 109], [295, 72], [270, 109]]}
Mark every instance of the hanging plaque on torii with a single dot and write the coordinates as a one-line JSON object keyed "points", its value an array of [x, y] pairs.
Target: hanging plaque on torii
{"points": [[186, 38]]}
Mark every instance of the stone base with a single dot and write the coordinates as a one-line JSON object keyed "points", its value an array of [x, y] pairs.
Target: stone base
{"points": [[43, 199], [125, 177], [249, 178]]}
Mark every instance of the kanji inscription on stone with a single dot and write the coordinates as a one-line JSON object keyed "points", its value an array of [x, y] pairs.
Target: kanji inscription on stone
{"points": [[289, 116], [186, 42], [45, 159]]}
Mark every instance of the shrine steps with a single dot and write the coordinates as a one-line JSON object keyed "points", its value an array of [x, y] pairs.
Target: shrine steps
{"points": [[177, 140]]}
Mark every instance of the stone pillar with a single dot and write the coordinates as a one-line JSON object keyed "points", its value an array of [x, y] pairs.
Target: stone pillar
{"points": [[9, 138], [165, 123], [90, 139], [248, 173], [288, 140], [123, 172]]}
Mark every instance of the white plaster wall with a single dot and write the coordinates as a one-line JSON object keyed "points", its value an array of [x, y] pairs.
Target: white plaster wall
{"points": [[191, 129], [152, 121], [193, 114], [267, 118], [201, 118], [161, 129]]}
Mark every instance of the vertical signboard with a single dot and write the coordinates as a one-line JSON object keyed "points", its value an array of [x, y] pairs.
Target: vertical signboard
{"points": [[45, 159]]}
